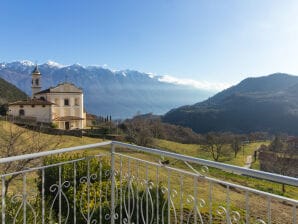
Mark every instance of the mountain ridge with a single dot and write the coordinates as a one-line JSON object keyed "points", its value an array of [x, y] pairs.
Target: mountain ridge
{"points": [[121, 93], [268, 103]]}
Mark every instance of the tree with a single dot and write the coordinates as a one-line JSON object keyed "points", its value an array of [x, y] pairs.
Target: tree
{"points": [[3, 109], [277, 144], [15, 140], [137, 131], [279, 157], [236, 144], [214, 143]]}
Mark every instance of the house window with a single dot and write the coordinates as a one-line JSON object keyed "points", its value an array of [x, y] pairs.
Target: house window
{"points": [[76, 101], [66, 102], [21, 112], [32, 105], [42, 98], [21, 106]]}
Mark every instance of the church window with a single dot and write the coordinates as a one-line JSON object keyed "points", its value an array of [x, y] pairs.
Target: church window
{"points": [[66, 102], [76, 101], [37, 82], [21, 112]]}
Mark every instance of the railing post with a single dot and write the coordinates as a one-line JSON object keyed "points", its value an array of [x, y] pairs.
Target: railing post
{"points": [[113, 184]]}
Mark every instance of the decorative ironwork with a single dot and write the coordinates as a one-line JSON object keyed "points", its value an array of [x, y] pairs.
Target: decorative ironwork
{"points": [[23, 204], [166, 212], [140, 191], [195, 208], [58, 188], [233, 217]]}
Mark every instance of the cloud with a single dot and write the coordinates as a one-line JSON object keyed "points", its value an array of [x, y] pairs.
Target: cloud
{"points": [[194, 83]]}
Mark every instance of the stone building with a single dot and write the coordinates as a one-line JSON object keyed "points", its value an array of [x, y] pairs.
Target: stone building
{"points": [[61, 105]]}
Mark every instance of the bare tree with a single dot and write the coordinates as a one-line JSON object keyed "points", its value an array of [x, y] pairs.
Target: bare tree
{"points": [[214, 143], [236, 144], [138, 131], [280, 157], [15, 140]]}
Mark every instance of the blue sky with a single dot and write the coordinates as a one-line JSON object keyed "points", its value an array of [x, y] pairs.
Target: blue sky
{"points": [[211, 41]]}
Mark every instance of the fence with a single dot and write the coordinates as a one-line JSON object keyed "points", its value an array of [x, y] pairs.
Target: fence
{"points": [[114, 182]]}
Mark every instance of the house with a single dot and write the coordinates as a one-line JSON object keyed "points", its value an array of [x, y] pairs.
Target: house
{"points": [[61, 105], [90, 119]]}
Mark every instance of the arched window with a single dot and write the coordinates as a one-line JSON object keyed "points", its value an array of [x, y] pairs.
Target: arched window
{"points": [[21, 112]]}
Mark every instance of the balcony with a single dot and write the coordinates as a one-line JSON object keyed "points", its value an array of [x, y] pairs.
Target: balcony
{"points": [[114, 182]]}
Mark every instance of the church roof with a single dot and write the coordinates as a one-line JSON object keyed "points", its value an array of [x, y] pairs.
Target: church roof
{"points": [[36, 71], [31, 102], [44, 91], [64, 87]]}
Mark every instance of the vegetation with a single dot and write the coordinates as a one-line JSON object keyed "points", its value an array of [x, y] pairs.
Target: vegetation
{"points": [[280, 156], [143, 129], [93, 176], [9, 93]]}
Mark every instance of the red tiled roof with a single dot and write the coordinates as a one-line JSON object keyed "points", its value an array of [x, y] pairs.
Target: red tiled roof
{"points": [[90, 117], [32, 102]]}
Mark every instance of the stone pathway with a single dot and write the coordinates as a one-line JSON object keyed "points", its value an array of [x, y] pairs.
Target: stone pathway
{"points": [[248, 162]]}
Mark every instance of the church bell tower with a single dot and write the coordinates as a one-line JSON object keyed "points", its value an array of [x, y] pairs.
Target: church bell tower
{"points": [[36, 81]]}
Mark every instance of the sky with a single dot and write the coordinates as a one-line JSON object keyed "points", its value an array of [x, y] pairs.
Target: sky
{"points": [[210, 41]]}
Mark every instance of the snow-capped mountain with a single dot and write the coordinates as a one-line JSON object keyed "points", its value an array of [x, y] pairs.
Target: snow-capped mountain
{"points": [[118, 93]]}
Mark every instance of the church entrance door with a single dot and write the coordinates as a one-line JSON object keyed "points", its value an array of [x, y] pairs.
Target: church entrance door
{"points": [[67, 125]]}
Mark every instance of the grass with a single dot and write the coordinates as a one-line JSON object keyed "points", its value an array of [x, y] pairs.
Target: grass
{"points": [[248, 149], [52, 140], [200, 152]]}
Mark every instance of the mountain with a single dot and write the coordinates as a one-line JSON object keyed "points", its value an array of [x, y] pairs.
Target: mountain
{"points": [[121, 94], [9, 92], [268, 103]]}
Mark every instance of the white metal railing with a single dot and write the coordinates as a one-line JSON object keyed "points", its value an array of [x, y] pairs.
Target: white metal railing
{"points": [[126, 183]]}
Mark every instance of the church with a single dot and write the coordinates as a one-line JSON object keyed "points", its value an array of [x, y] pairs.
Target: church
{"points": [[61, 106]]}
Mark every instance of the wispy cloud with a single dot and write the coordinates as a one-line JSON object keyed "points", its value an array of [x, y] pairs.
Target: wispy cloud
{"points": [[197, 84]]}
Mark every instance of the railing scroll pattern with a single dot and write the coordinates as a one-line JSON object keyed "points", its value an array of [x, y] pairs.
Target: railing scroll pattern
{"points": [[134, 190]]}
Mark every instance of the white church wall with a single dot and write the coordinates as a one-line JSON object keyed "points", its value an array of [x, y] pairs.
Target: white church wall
{"points": [[40, 112]]}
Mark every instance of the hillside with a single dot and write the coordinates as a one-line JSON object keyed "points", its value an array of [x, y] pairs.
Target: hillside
{"points": [[268, 103], [121, 94], [9, 92]]}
